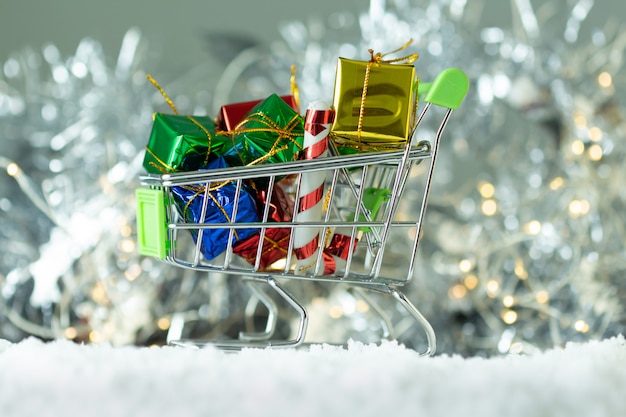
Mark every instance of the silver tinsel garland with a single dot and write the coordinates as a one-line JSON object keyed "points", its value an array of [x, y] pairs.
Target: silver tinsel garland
{"points": [[523, 243], [73, 132]]}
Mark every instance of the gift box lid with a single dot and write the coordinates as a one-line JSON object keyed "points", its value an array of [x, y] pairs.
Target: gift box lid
{"points": [[232, 114]]}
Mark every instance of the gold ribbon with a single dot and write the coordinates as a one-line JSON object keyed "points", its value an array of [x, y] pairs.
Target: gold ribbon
{"points": [[295, 92], [199, 191], [377, 59], [271, 127], [165, 96], [170, 103], [273, 245]]}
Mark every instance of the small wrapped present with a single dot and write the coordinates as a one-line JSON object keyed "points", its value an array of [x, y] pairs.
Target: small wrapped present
{"points": [[374, 103], [181, 143], [276, 239], [219, 209], [271, 132], [232, 114]]}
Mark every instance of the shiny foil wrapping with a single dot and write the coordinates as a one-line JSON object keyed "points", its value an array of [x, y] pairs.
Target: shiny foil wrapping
{"points": [[180, 143], [220, 204], [271, 132], [232, 114], [276, 239], [374, 105]]}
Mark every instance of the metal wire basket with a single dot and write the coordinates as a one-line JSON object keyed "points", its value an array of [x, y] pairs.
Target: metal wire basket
{"points": [[364, 194]]}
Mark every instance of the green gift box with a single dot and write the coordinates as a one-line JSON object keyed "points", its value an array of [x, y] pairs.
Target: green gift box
{"points": [[181, 143], [271, 132]]}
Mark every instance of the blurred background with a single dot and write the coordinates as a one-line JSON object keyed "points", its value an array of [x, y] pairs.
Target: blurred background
{"points": [[180, 33], [524, 243]]}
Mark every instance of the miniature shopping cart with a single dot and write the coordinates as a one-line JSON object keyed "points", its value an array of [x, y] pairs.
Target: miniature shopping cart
{"points": [[367, 201]]}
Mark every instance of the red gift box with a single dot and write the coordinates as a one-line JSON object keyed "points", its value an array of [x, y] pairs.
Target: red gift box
{"points": [[232, 114], [276, 239]]}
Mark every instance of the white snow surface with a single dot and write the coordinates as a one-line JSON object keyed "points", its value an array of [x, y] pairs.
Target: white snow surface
{"points": [[65, 379]]}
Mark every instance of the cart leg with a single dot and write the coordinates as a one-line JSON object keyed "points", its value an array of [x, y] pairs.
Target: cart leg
{"points": [[409, 307], [303, 316], [263, 339], [263, 342], [413, 311], [272, 315]]}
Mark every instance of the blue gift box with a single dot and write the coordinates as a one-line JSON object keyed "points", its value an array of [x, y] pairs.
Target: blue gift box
{"points": [[219, 209]]}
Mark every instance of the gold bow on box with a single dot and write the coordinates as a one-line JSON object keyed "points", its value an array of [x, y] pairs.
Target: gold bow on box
{"points": [[375, 103]]}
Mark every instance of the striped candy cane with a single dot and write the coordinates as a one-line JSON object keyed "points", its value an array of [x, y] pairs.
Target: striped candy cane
{"points": [[317, 123]]}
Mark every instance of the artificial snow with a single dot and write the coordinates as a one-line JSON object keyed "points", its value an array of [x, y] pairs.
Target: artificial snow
{"points": [[65, 379]]}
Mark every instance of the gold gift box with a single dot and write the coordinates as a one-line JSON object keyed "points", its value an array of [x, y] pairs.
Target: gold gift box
{"points": [[380, 119]]}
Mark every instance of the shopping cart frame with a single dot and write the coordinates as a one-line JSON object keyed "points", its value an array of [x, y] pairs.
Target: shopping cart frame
{"points": [[159, 224]]}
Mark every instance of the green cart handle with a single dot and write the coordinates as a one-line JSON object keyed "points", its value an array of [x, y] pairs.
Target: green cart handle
{"points": [[447, 90]]}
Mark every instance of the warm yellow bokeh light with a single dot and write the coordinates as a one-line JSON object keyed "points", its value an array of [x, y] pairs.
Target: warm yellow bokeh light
{"points": [[509, 316], [362, 306], [489, 207], [578, 208], [99, 294], [486, 189], [457, 292], [533, 227], [95, 337], [580, 120], [578, 147], [520, 269], [542, 297], [471, 281], [70, 333], [605, 79], [508, 300], [126, 230], [132, 272], [163, 323], [595, 134], [493, 287], [581, 326], [127, 245], [13, 169], [465, 265], [335, 312], [557, 183], [595, 152]]}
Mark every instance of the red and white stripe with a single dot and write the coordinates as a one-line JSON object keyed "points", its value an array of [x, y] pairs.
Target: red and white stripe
{"points": [[317, 123]]}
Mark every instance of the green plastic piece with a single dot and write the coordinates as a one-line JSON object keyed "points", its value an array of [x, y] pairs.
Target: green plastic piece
{"points": [[373, 198], [448, 89], [423, 90], [151, 223]]}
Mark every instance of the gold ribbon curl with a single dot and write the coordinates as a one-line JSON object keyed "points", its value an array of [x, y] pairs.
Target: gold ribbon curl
{"points": [[164, 166], [295, 91]]}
